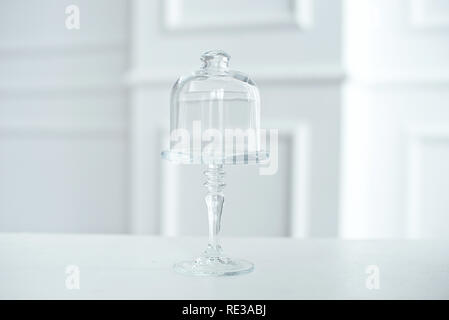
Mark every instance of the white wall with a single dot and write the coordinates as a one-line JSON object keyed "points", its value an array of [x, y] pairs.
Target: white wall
{"points": [[396, 119], [63, 117], [357, 88]]}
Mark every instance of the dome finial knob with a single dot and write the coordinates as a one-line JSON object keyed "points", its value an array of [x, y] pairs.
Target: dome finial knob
{"points": [[215, 60]]}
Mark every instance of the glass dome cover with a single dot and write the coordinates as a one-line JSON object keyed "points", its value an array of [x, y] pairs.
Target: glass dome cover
{"points": [[215, 116]]}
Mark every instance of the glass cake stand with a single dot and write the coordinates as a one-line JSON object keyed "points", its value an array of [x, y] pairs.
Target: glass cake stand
{"points": [[214, 99]]}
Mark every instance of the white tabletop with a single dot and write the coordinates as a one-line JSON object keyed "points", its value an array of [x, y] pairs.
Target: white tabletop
{"points": [[140, 267]]}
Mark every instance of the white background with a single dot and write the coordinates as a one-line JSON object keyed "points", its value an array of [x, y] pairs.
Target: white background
{"points": [[359, 90]]}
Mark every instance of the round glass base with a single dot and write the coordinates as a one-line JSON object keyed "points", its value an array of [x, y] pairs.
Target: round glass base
{"points": [[214, 267], [214, 263]]}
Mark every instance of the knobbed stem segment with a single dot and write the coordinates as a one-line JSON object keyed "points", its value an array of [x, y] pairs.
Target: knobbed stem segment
{"points": [[214, 201]]}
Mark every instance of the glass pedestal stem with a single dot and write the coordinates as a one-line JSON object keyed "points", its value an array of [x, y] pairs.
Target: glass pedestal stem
{"points": [[213, 262], [214, 201]]}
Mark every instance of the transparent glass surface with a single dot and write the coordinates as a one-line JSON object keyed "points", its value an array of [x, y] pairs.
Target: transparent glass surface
{"points": [[215, 121]]}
